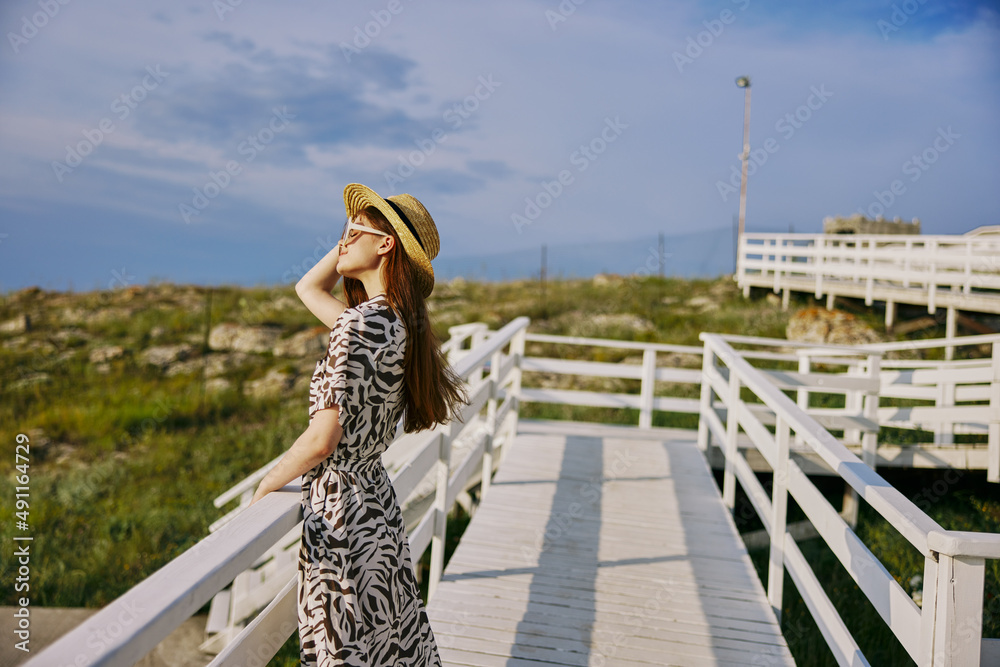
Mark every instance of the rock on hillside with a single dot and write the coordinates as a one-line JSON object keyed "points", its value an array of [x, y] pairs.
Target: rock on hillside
{"points": [[240, 338], [311, 342], [19, 324], [275, 383], [819, 325], [165, 355]]}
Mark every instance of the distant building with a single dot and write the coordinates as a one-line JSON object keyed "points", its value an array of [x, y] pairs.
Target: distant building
{"points": [[859, 224]]}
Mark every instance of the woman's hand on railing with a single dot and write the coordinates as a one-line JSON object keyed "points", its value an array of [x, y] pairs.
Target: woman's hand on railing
{"points": [[315, 444]]}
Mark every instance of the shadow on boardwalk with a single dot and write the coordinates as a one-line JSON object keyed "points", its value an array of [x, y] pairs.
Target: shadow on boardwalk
{"points": [[603, 546]]}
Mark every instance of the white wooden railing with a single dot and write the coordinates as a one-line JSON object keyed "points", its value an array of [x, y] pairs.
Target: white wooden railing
{"points": [[956, 272], [648, 373], [964, 395], [947, 628], [959, 396], [131, 626]]}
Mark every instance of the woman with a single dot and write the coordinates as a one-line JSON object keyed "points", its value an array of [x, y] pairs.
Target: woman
{"points": [[358, 600]]}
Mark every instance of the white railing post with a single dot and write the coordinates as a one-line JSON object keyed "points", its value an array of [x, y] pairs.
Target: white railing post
{"points": [[517, 344], [741, 270], [855, 259], [906, 262], [819, 245], [944, 431], [732, 431], [478, 336], [646, 388], [705, 402], [779, 516], [870, 271], [854, 403], [993, 437], [784, 266], [932, 277], [967, 284], [777, 266], [491, 423], [802, 395], [453, 348], [869, 439], [958, 611], [440, 511], [740, 267], [928, 607]]}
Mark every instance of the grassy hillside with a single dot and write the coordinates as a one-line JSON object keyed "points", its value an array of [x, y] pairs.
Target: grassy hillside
{"points": [[136, 423]]}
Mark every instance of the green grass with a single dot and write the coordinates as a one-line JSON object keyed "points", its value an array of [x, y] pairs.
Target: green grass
{"points": [[125, 464], [957, 500]]}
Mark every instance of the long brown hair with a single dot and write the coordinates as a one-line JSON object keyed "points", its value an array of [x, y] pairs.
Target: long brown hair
{"points": [[433, 392]]}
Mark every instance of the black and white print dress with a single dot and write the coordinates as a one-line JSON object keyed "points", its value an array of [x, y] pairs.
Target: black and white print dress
{"points": [[358, 600]]}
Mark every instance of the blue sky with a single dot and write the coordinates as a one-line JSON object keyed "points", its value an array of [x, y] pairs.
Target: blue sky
{"points": [[209, 142]]}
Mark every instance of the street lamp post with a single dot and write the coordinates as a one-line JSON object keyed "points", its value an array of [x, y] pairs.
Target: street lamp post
{"points": [[744, 83]]}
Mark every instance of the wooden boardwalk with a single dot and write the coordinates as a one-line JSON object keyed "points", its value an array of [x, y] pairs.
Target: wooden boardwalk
{"points": [[601, 545]]}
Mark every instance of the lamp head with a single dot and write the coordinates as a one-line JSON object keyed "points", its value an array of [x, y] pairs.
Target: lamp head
{"points": [[743, 82]]}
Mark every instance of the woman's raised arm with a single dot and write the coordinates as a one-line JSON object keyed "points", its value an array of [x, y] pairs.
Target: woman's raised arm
{"points": [[314, 289]]}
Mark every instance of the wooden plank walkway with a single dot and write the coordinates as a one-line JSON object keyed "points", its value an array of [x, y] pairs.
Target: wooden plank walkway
{"points": [[601, 545]]}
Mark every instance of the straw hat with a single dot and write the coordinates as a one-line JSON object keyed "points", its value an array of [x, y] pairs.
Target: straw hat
{"points": [[413, 224]]}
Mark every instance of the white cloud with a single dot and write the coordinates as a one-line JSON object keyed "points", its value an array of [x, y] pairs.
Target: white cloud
{"points": [[551, 91]]}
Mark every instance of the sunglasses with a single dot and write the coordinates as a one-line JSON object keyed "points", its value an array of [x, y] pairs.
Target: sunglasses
{"points": [[353, 230]]}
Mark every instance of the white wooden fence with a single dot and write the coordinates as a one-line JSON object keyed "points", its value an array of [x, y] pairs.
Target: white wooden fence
{"points": [[881, 390], [131, 626], [945, 631], [947, 628], [961, 397], [954, 272], [648, 373]]}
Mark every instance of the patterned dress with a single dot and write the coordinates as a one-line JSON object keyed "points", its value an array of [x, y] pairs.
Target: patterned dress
{"points": [[358, 600]]}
